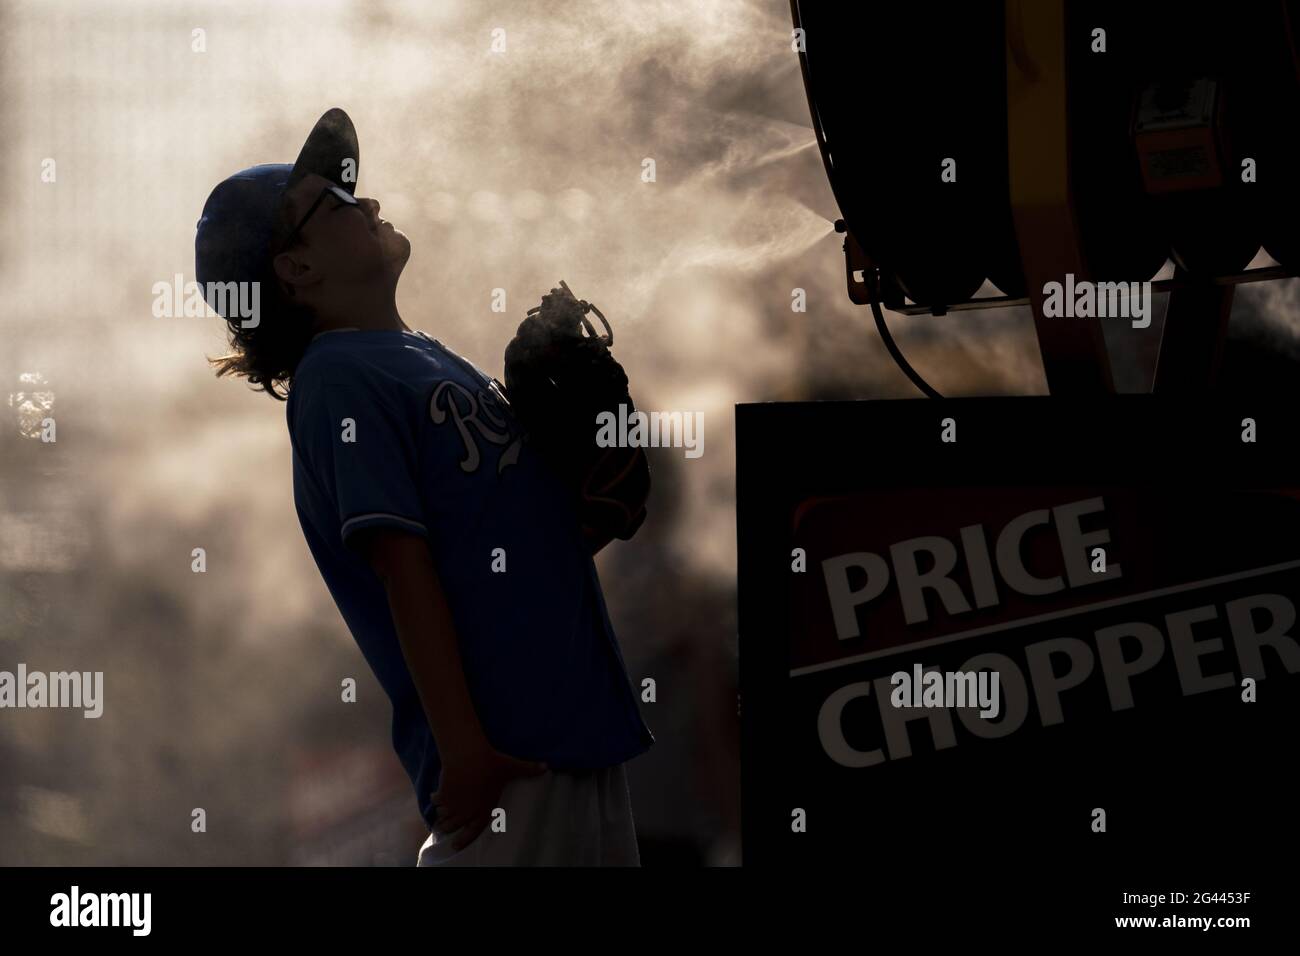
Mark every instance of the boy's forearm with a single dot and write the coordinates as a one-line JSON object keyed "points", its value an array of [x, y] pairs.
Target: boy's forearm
{"points": [[427, 634]]}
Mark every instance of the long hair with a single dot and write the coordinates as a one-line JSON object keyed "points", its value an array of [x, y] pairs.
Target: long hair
{"points": [[268, 353]]}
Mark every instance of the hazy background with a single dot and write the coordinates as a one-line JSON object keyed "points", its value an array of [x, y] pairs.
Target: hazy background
{"points": [[508, 170]]}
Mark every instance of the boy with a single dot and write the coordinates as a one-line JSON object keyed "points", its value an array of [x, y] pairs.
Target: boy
{"points": [[454, 556]]}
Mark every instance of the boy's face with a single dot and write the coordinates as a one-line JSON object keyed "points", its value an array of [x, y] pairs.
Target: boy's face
{"points": [[340, 243]]}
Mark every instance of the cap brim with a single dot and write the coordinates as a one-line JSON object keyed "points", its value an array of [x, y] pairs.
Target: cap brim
{"points": [[331, 151]]}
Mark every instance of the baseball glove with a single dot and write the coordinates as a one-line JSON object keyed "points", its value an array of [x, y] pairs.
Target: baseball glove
{"points": [[560, 375]]}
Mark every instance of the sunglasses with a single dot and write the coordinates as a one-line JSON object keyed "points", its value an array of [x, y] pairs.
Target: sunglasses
{"points": [[338, 192]]}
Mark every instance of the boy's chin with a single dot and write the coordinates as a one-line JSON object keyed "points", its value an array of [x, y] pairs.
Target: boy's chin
{"points": [[398, 249]]}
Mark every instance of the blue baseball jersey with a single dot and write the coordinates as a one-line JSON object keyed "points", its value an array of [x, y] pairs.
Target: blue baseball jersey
{"points": [[391, 428]]}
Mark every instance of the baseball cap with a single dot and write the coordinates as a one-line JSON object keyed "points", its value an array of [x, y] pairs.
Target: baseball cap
{"points": [[234, 231]]}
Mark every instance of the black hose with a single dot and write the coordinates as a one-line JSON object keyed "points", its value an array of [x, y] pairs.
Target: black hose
{"points": [[892, 346]]}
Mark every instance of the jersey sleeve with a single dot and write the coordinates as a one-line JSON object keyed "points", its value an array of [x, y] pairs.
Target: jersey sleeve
{"points": [[359, 445]]}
